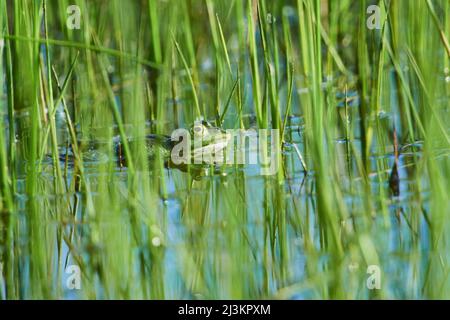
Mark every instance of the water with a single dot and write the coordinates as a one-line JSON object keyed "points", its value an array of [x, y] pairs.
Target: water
{"points": [[84, 225], [200, 224]]}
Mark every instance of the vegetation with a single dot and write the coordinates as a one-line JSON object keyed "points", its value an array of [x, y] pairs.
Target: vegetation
{"points": [[365, 169]]}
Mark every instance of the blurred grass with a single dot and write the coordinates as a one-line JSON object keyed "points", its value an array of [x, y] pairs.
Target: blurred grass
{"points": [[149, 65]]}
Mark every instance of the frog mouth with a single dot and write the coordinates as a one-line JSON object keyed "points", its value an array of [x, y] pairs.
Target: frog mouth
{"points": [[213, 152]]}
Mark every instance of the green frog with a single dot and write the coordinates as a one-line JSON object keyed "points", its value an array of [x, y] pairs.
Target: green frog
{"points": [[205, 139]]}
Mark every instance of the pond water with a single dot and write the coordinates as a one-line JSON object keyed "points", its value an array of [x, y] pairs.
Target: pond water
{"points": [[194, 238], [93, 204]]}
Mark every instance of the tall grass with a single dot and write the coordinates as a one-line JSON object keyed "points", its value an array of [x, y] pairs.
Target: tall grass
{"points": [[338, 92]]}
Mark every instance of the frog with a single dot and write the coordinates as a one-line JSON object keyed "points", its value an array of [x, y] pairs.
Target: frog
{"points": [[205, 140]]}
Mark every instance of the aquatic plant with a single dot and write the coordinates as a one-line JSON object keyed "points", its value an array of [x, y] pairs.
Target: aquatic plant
{"points": [[358, 91]]}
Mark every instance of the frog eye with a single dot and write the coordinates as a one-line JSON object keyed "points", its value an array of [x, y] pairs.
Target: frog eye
{"points": [[198, 129]]}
